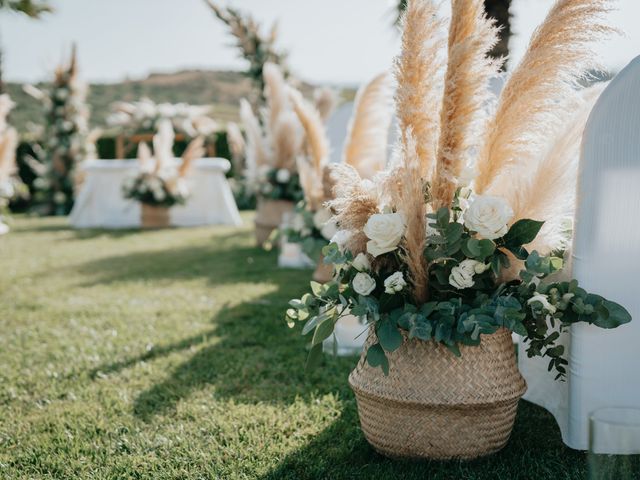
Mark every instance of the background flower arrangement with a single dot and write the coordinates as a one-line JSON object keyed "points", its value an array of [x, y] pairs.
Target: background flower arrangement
{"points": [[68, 140], [146, 116], [273, 143], [159, 182], [11, 186], [426, 256], [365, 149]]}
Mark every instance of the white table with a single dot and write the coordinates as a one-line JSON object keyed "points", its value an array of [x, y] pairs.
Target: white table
{"points": [[100, 203]]}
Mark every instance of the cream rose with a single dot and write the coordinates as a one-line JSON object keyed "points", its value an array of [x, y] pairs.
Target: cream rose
{"points": [[363, 284], [394, 283], [321, 217], [341, 238], [283, 175], [329, 229], [361, 262], [384, 231], [461, 276], [544, 300], [488, 216]]}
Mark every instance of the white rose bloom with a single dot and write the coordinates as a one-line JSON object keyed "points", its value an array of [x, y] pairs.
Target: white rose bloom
{"points": [[297, 223], [544, 300], [6, 189], [394, 283], [321, 217], [384, 231], [341, 238], [361, 262], [283, 175], [59, 197], [329, 229], [488, 216], [363, 284], [461, 276], [159, 194]]}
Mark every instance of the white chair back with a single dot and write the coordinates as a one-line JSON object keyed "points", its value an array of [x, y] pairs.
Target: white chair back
{"points": [[605, 364]]}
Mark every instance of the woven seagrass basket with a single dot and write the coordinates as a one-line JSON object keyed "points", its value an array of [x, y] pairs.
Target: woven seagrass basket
{"points": [[269, 217], [323, 272], [154, 217], [437, 406]]}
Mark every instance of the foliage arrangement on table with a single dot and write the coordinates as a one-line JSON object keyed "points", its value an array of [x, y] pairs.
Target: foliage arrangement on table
{"points": [[255, 45], [160, 182], [11, 186], [68, 141], [459, 240], [365, 149], [144, 116]]}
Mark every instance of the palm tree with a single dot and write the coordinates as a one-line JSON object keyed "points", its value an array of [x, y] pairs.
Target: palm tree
{"points": [[30, 8], [497, 9]]}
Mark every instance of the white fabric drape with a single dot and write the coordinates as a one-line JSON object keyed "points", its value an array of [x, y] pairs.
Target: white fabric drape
{"points": [[100, 203], [604, 365]]}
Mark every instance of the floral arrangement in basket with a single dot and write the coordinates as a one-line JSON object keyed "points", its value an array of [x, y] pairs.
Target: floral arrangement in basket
{"points": [[145, 116], [274, 144], [11, 186], [68, 140], [437, 253], [365, 149], [160, 183]]}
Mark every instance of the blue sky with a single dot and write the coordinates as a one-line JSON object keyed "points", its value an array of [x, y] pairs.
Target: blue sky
{"points": [[335, 41]]}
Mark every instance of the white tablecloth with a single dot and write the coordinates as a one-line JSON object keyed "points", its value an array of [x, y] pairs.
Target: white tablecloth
{"points": [[604, 365], [100, 203]]}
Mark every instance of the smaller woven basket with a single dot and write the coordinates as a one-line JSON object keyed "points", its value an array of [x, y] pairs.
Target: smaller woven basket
{"points": [[323, 272], [438, 406], [269, 217], [154, 217]]}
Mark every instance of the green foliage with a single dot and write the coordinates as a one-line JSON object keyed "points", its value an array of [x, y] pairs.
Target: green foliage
{"points": [[460, 314]]}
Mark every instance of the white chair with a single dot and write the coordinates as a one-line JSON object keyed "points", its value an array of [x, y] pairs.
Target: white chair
{"points": [[604, 365]]}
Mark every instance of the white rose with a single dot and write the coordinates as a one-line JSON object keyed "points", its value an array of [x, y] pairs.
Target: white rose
{"points": [[341, 238], [461, 276], [544, 300], [329, 230], [394, 283], [488, 216], [361, 262], [59, 197], [363, 284], [283, 175], [384, 231], [321, 217], [297, 223], [159, 194]]}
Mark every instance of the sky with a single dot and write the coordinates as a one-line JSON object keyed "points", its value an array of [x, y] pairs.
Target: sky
{"points": [[329, 41]]}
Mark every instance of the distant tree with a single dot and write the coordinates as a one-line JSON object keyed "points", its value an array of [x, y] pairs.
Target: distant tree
{"points": [[497, 9], [255, 45], [30, 8]]}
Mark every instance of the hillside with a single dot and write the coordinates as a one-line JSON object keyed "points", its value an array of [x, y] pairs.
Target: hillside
{"points": [[220, 89]]}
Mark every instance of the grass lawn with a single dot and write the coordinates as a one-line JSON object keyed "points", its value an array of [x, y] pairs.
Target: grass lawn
{"points": [[165, 355]]}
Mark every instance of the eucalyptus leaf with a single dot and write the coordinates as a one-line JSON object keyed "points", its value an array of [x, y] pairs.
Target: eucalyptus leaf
{"points": [[377, 358], [389, 336]]}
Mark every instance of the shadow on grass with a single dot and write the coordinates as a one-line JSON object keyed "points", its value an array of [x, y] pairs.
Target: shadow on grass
{"points": [[220, 259], [535, 451], [255, 358], [248, 354]]}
